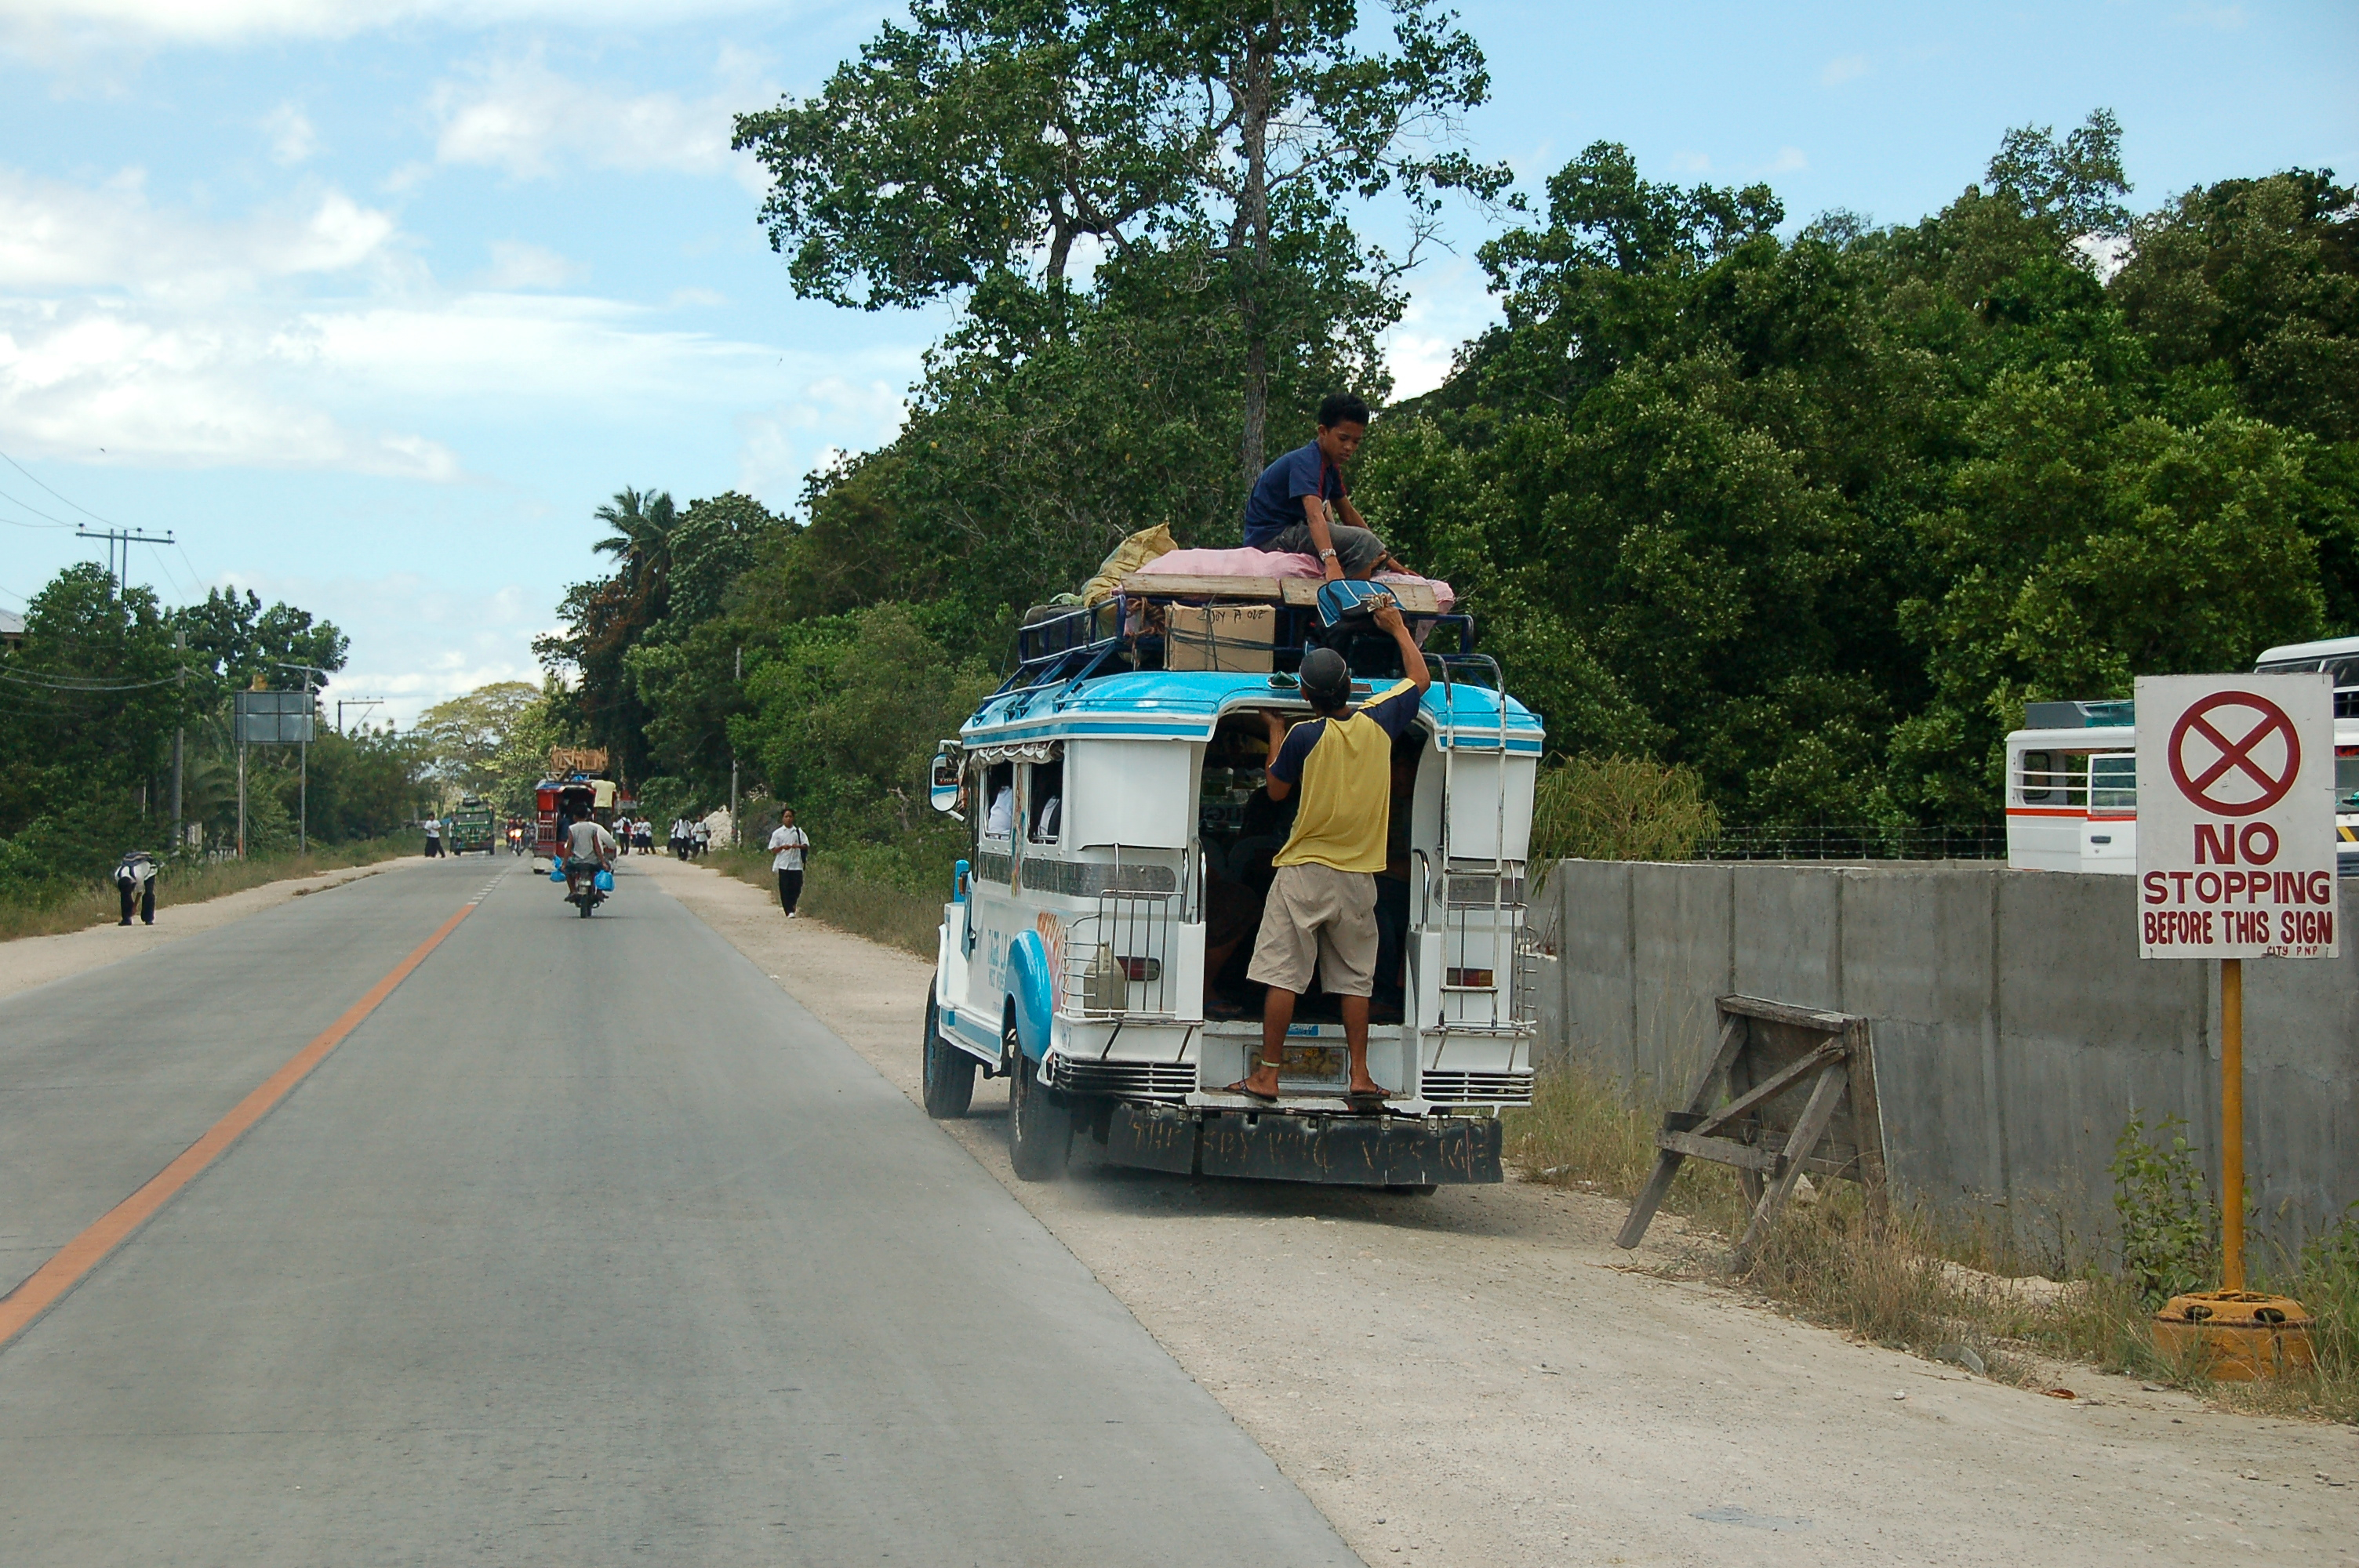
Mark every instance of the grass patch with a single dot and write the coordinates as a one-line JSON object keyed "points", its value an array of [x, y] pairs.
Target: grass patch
{"points": [[98, 904], [880, 911], [1909, 1283]]}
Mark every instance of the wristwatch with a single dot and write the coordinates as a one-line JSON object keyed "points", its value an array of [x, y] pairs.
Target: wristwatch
{"points": [[1329, 555]]}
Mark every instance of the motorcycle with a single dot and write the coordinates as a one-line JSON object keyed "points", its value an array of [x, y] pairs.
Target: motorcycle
{"points": [[591, 893]]}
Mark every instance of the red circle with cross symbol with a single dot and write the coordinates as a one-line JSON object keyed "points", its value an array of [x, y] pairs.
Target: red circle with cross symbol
{"points": [[2234, 725]]}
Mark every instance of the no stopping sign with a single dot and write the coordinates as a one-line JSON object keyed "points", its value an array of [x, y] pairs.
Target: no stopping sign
{"points": [[2236, 829]]}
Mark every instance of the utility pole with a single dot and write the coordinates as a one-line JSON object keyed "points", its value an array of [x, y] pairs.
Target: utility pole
{"points": [[344, 702], [125, 537], [180, 735], [736, 839]]}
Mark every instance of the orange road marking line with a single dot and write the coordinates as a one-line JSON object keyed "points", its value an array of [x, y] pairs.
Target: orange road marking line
{"points": [[74, 1260]]}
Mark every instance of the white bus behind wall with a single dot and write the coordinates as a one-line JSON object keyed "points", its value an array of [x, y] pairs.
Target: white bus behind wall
{"points": [[2071, 773]]}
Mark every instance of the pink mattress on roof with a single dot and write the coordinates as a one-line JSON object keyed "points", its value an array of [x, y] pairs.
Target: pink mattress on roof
{"points": [[1246, 562]]}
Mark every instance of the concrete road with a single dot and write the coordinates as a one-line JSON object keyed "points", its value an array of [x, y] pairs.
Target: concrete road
{"points": [[587, 1246]]}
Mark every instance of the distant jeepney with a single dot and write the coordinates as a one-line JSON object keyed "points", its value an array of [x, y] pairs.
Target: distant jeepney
{"points": [[1094, 946], [2072, 772]]}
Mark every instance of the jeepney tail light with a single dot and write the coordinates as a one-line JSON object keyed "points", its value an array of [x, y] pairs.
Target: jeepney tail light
{"points": [[1142, 970], [1469, 979]]}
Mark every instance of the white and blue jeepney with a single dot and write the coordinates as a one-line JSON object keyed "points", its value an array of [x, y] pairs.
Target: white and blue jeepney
{"points": [[1116, 820]]}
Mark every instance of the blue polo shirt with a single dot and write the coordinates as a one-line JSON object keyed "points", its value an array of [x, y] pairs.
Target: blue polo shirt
{"points": [[1276, 503]]}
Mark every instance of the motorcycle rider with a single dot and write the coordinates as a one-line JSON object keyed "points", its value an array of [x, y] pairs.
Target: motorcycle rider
{"points": [[589, 849]]}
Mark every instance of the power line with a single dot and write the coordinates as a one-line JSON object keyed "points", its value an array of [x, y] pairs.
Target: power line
{"points": [[69, 499], [80, 687], [12, 523]]}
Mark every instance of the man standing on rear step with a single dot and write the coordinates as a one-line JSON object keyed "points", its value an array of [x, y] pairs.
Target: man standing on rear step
{"points": [[1295, 505], [1323, 906]]}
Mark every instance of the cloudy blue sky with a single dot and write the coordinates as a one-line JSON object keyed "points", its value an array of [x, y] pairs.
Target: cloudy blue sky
{"points": [[371, 302]]}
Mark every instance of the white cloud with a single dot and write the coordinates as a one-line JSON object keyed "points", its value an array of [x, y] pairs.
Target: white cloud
{"points": [[1847, 67], [292, 139], [778, 446], [54, 235], [307, 336], [84, 378], [1692, 162], [232, 21], [1447, 306], [1789, 160], [523, 118], [516, 264]]}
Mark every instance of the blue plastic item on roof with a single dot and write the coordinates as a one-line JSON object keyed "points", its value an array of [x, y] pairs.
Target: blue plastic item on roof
{"points": [[1347, 596], [605, 880]]}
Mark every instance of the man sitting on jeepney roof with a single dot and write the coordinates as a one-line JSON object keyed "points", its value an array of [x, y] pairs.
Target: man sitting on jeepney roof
{"points": [[1322, 904], [1295, 505]]}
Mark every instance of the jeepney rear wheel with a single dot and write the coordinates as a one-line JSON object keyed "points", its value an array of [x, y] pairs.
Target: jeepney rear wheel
{"points": [[1040, 1129], [949, 1071]]}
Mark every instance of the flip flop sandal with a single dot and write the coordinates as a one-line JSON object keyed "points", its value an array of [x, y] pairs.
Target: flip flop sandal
{"points": [[1363, 1103], [1239, 1086]]}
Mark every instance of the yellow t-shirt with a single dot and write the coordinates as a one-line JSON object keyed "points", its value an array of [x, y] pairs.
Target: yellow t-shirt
{"points": [[1342, 770]]}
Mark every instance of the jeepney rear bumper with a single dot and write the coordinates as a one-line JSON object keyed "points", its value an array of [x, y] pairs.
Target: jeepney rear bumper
{"points": [[1343, 1151]]}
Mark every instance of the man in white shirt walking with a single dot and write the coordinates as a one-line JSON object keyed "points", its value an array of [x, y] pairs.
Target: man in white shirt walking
{"points": [[788, 844]]}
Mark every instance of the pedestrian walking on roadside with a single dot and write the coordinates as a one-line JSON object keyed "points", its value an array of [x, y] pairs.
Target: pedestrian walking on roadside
{"points": [[646, 836], [789, 844], [1322, 904], [682, 835], [135, 878], [433, 838], [701, 840]]}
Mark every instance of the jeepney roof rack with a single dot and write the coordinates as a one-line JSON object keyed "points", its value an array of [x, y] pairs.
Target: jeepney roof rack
{"points": [[1067, 645]]}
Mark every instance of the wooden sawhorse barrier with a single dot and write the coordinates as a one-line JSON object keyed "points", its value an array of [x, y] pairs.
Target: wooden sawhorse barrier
{"points": [[1796, 1078]]}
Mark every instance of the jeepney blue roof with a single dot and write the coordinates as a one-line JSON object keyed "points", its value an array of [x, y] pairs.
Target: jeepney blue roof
{"points": [[1184, 705]]}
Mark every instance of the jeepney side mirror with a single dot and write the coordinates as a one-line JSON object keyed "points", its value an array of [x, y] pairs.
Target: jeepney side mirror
{"points": [[949, 779]]}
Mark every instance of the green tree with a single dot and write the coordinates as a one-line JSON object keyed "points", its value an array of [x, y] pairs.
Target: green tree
{"points": [[234, 639], [462, 743], [1224, 133]]}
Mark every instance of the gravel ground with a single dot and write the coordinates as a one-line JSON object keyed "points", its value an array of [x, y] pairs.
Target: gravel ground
{"points": [[1481, 1378]]}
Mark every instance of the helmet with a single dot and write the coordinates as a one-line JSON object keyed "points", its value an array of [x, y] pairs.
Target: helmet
{"points": [[1326, 679]]}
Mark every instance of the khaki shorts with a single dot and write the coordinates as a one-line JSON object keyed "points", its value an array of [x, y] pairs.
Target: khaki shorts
{"points": [[1317, 912]]}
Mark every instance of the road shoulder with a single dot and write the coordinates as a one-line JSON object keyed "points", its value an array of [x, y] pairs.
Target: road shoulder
{"points": [[1480, 1377], [30, 961]]}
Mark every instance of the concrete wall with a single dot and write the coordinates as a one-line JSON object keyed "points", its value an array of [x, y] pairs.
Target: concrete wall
{"points": [[2016, 1029]]}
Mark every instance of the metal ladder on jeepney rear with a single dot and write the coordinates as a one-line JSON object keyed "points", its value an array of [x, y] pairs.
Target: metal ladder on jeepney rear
{"points": [[1493, 871]]}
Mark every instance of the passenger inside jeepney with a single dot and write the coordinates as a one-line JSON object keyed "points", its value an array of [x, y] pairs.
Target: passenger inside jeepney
{"points": [[999, 789], [1048, 796], [1242, 829]]}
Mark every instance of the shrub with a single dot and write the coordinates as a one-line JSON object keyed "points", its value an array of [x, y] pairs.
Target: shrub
{"points": [[1619, 808]]}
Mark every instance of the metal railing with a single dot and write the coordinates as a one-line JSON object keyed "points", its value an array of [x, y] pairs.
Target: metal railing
{"points": [[1119, 960], [1861, 841]]}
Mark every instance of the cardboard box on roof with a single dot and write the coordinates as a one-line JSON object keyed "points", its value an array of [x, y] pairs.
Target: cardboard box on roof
{"points": [[1232, 638]]}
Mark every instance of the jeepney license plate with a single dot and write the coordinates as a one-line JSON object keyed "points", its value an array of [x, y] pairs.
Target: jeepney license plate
{"points": [[1312, 1062]]}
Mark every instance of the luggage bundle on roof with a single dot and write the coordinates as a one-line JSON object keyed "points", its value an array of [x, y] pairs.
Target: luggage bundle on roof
{"points": [[1152, 606]]}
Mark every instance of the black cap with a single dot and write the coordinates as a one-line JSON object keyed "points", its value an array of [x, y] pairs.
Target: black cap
{"points": [[1326, 678]]}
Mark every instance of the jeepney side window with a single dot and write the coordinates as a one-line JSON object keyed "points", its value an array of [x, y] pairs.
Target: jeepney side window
{"points": [[1045, 791], [2038, 780], [999, 796]]}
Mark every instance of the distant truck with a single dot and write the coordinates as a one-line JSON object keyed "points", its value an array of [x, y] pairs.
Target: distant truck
{"points": [[2071, 773], [473, 827], [567, 798]]}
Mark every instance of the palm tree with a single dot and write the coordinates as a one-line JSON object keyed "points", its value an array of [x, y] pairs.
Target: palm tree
{"points": [[640, 543]]}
